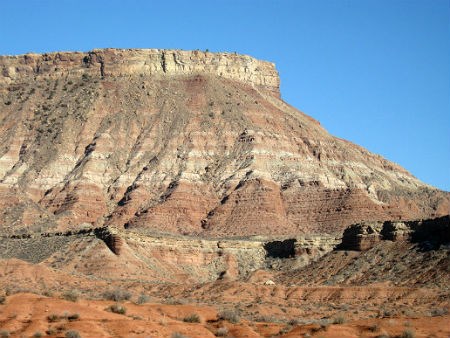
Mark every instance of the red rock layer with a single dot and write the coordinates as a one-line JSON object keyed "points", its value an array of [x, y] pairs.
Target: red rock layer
{"points": [[183, 142]]}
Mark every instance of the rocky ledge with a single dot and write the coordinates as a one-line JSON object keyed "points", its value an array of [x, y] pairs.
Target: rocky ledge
{"points": [[430, 233], [145, 62]]}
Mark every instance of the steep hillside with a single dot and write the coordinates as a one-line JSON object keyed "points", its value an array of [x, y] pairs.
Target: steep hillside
{"points": [[184, 142]]}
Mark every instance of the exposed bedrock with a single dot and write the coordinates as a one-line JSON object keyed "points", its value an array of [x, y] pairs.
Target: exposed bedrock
{"points": [[181, 142], [429, 234], [116, 253], [167, 258]]}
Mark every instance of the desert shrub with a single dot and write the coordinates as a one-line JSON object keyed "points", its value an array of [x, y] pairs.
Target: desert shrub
{"points": [[117, 295], [230, 315], [72, 334], [117, 308], [142, 299], [47, 293], [408, 334], [73, 316], [53, 318], [374, 328], [2, 299], [178, 335], [173, 301], [51, 331], [293, 322], [71, 295], [434, 312], [265, 319], [193, 318], [4, 333], [324, 326], [339, 320], [38, 334], [285, 329], [222, 332]]}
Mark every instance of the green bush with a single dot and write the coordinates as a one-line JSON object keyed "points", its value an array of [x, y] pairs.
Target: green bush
{"points": [[4, 334], [2, 299], [38, 334]]}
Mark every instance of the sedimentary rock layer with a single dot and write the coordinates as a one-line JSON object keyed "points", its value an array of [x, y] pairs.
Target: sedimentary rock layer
{"points": [[183, 142], [118, 254]]}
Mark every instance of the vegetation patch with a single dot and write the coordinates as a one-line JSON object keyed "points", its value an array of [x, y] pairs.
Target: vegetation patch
{"points": [[71, 295], [118, 308], [117, 295], [230, 315], [193, 318], [72, 334]]}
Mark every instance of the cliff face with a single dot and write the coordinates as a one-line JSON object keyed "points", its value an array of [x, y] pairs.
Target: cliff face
{"points": [[140, 62], [181, 142], [430, 234]]}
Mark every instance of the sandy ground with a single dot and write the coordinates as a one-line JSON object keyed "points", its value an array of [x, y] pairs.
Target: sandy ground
{"points": [[28, 315]]}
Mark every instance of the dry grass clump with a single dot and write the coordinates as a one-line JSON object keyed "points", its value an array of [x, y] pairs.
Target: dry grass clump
{"points": [[71, 295], [222, 332], [339, 320], [408, 334], [193, 318], [117, 295], [67, 316], [53, 318], [142, 299], [117, 308], [230, 315], [72, 334], [178, 335]]}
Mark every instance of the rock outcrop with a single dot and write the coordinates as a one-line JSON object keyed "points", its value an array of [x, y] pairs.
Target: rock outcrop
{"points": [[118, 63], [430, 233], [115, 254], [184, 142]]}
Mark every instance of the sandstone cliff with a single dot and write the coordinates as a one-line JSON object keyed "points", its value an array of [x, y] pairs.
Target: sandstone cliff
{"points": [[184, 142]]}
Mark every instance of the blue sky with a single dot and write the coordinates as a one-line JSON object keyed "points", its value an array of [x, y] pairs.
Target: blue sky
{"points": [[375, 72]]}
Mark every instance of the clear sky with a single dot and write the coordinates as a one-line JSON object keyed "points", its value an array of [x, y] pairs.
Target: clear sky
{"points": [[375, 72]]}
